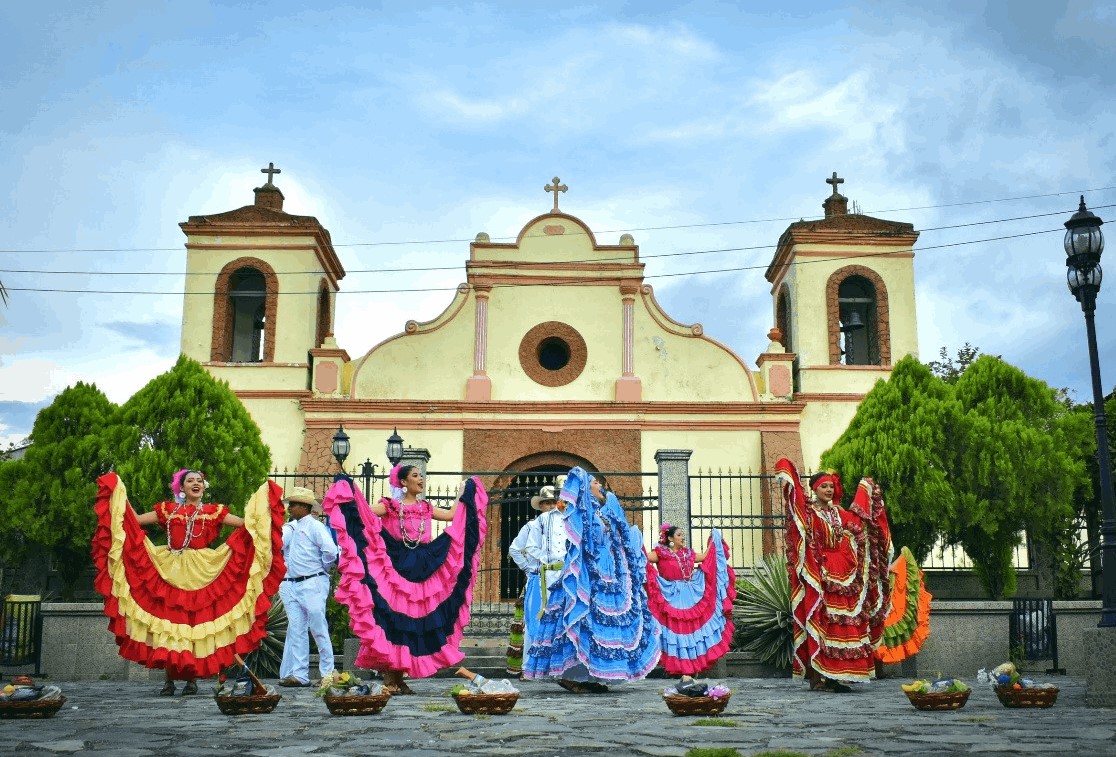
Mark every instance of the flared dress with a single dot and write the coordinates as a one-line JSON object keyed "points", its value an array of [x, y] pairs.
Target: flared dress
{"points": [[693, 604], [597, 616], [837, 562], [184, 606], [408, 594], [907, 626]]}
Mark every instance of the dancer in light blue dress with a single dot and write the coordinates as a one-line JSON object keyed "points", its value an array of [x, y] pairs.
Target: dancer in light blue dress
{"points": [[597, 627]]}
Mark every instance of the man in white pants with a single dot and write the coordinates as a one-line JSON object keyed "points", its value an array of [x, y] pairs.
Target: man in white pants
{"points": [[309, 552]]}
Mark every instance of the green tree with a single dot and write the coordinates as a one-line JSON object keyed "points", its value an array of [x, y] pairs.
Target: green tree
{"points": [[51, 490], [185, 418], [903, 436], [948, 369], [1018, 466]]}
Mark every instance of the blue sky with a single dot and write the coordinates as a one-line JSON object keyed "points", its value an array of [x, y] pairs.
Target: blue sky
{"points": [[407, 122]]}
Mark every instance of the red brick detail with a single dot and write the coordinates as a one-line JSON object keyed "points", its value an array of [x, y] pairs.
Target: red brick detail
{"points": [[221, 342], [325, 316], [529, 353], [773, 445], [519, 450], [833, 312]]}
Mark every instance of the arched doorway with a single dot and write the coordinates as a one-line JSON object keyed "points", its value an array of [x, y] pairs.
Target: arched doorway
{"points": [[516, 512]]}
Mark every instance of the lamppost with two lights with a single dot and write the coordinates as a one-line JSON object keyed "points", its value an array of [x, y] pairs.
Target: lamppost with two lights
{"points": [[1084, 244]]}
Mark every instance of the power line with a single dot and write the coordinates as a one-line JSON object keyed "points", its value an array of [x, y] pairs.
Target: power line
{"points": [[578, 282], [710, 224], [412, 269]]}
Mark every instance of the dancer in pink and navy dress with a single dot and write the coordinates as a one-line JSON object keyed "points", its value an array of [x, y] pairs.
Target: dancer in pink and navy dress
{"points": [[691, 596], [408, 594]]}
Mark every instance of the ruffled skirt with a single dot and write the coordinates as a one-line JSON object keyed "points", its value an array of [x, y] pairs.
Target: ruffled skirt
{"points": [[191, 612], [696, 615], [908, 622], [408, 607], [602, 624]]}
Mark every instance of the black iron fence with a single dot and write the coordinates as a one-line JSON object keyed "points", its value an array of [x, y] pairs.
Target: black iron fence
{"points": [[21, 632], [746, 507]]}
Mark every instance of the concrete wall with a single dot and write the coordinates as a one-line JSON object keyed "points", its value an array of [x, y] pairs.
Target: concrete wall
{"points": [[77, 646], [968, 636]]}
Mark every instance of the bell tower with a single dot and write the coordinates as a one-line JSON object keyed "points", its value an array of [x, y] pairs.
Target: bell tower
{"points": [[842, 292], [261, 289]]}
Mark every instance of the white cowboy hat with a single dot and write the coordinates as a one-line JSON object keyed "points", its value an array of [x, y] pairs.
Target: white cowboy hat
{"points": [[546, 494], [303, 496]]}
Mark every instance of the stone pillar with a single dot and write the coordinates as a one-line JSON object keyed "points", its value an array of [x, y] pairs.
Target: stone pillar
{"points": [[1100, 653], [416, 456], [478, 387], [674, 487], [628, 386]]}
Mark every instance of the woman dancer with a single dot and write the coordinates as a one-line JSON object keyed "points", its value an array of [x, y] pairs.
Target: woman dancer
{"points": [[837, 560], [691, 596], [596, 627], [184, 607], [408, 595]]}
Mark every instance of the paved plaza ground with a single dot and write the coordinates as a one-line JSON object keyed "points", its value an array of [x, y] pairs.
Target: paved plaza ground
{"points": [[126, 719]]}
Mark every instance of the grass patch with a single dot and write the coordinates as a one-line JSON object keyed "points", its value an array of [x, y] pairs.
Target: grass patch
{"points": [[482, 716], [713, 752], [722, 722], [438, 707], [844, 751]]}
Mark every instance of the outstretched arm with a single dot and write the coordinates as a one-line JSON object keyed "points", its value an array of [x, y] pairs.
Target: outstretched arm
{"points": [[233, 520], [147, 519]]}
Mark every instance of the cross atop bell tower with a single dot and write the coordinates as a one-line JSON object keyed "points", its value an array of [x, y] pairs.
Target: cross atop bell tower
{"points": [[836, 204]]}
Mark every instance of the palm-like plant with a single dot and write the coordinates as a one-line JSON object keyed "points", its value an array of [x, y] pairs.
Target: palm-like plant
{"points": [[762, 613], [267, 658]]}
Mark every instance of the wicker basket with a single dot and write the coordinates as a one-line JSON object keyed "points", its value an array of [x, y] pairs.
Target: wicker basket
{"points": [[256, 703], [1010, 697], [356, 704], [485, 704], [683, 705], [939, 701], [33, 709]]}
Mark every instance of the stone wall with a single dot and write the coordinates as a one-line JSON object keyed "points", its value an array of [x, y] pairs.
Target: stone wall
{"points": [[77, 646]]}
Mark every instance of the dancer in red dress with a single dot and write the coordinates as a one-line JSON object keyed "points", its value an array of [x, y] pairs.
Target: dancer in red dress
{"points": [[185, 607], [838, 560]]}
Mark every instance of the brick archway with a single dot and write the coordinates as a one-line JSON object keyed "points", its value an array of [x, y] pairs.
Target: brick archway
{"points": [[833, 312], [222, 336]]}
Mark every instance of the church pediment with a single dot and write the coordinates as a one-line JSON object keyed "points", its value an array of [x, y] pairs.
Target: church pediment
{"points": [[851, 222]]}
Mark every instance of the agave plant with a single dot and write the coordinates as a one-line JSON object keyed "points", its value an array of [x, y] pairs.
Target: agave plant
{"points": [[267, 658], [762, 613]]}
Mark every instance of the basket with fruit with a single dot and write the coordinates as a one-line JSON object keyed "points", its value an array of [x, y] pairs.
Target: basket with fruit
{"points": [[942, 694], [1015, 690]]}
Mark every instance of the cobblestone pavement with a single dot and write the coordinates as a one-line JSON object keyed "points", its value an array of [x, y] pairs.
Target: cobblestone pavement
{"points": [[128, 720]]}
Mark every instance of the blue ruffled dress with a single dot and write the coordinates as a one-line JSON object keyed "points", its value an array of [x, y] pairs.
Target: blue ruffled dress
{"points": [[597, 623]]}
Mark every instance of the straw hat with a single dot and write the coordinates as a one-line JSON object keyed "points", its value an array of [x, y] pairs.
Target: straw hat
{"points": [[546, 494], [303, 496]]}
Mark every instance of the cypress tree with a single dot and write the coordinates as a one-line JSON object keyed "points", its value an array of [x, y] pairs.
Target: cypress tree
{"points": [[185, 418]]}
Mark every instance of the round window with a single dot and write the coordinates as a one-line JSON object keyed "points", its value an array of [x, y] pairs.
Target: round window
{"points": [[554, 353]]}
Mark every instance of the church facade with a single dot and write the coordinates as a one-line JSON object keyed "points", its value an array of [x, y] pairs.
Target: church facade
{"points": [[553, 351]]}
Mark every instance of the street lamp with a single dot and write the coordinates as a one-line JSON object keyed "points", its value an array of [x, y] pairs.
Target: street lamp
{"points": [[395, 447], [1084, 244], [340, 446]]}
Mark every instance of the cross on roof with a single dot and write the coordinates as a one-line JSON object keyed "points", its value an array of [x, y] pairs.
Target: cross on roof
{"points": [[834, 181], [271, 169], [555, 188]]}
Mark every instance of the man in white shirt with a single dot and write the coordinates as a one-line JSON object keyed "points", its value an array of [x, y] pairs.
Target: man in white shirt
{"points": [[527, 608], [309, 552]]}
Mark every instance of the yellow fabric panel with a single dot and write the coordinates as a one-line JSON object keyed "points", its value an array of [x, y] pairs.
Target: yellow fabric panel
{"points": [[205, 638]]}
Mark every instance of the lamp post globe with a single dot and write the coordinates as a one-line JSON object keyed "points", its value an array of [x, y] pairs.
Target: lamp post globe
{"points": [[340, 446], [1084, 244]]}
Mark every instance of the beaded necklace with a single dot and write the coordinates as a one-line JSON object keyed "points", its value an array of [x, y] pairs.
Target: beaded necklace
{"points": [[832, 518], [681, 565], [408, 542], [189, 535]]}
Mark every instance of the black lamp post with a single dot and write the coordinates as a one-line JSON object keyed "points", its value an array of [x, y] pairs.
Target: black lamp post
{"points": [[395, 447], [340, 446], [1084, 244]]}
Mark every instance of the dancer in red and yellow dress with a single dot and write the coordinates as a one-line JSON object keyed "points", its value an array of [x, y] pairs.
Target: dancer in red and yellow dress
{"points": [[837, 560], [185, 607]]}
